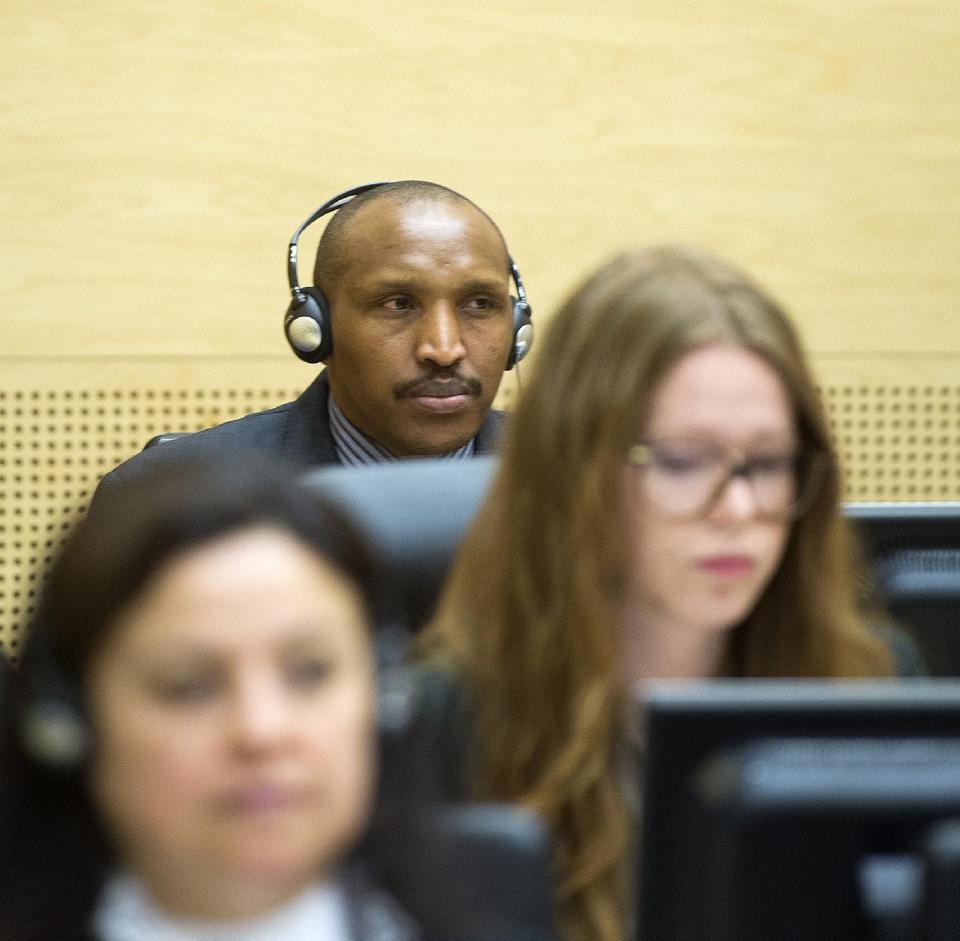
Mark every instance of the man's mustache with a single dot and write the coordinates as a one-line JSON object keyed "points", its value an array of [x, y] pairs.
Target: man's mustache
{"points": [[440, 383]]}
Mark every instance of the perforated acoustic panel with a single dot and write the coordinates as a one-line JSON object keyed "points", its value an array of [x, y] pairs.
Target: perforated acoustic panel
{"points": [[55, 446], [896, 442]]}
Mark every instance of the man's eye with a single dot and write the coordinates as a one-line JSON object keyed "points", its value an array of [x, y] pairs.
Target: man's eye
{"points": [[480, 303], [398, 304]]}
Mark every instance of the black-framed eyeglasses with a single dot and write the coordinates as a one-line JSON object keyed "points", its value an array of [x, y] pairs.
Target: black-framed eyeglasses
{"points": [[685, 477]]}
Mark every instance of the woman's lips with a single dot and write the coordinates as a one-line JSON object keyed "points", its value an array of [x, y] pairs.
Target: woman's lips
{"points": [[258, 799], [727, 566]]}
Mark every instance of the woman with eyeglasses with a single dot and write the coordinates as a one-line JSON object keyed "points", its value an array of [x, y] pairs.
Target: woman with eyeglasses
{"points": [[667, 505]]}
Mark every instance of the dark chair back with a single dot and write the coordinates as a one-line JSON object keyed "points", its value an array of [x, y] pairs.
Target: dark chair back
{"points": [[163, 438], [415, 513]]}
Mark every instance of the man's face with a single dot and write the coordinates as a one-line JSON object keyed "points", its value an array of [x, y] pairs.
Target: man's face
{"points": [[421, 324]]}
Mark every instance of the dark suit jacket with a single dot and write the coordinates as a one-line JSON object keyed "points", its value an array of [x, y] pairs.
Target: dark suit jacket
{"points": [[296, 432]]}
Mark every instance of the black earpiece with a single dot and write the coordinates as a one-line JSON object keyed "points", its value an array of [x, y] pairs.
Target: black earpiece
{"points": [[52, 724], [306, 323], [522, 338]]}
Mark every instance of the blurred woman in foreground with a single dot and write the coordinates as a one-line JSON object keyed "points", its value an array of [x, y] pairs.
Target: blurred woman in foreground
{"points": [[190, 738]]}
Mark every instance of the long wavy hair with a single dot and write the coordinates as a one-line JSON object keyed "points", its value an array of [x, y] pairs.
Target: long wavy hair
{"points": [[530, 616]]}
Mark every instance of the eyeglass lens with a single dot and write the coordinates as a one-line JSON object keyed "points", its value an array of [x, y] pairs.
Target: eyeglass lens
{"points": [[683, 477]]}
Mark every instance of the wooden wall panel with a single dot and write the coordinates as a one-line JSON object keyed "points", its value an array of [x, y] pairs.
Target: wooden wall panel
{"points": [[157, 156]]}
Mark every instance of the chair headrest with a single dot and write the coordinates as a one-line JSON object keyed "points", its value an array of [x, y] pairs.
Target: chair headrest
{"points": [[414, 513]]}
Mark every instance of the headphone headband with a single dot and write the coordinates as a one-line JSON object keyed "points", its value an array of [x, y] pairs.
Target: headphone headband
{"points": [[518, 281], [331, 205]]}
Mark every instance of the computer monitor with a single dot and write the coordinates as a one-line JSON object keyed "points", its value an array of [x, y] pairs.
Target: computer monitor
{"points": [[914, 553], [805, 810]]}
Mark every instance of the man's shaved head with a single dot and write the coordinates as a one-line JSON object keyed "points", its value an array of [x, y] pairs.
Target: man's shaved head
{"points": [[332, 260]]}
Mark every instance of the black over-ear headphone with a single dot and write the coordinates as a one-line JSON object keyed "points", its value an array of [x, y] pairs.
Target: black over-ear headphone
{"points": [[306, 323], [52, 721]]}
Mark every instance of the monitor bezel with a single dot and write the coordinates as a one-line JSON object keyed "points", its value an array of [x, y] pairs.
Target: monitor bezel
{"points": [[687, 723]]}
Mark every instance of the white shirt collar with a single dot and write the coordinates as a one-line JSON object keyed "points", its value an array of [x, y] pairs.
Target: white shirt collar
{"points": [[126, 913]]}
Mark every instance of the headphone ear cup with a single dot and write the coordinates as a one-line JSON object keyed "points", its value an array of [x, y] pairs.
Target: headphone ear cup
{"points": [[54, 734], [306, 326], [522, 338], [50, 717]]}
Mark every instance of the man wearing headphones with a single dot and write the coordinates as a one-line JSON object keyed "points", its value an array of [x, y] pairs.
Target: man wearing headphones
{"points": [[412, 314]]}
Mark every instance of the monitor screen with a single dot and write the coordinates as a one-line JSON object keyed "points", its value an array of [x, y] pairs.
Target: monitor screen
{"points": [[793, 809], [914, 554]]}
